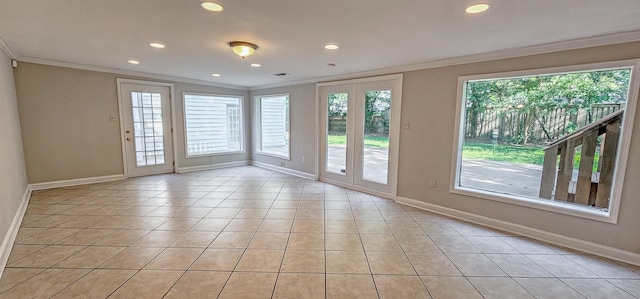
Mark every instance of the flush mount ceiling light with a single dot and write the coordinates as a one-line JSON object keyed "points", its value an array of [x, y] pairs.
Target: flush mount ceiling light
{"points": [[133, 61], [255, 65], [211, 6], [477, 8], [215, 75], [157, 45], [331, 47], [243, 49]]}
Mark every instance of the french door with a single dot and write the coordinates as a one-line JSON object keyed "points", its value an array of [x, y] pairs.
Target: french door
{"points": [[359, 124], [146, 119]]}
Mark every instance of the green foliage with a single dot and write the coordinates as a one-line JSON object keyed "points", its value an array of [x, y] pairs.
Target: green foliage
{"points": [[540, 95], [376, 104], [337, 103]]}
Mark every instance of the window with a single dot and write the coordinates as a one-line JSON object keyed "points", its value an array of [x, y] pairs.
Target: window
{"points": [[272, 121], [550, 139], [213, 124]]}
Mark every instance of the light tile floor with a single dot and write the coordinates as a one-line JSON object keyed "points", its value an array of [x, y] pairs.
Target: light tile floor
{"points": [[247, 232]]}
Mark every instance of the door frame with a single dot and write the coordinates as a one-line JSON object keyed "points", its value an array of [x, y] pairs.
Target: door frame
{"points": [[172, 109], [394, 146]]}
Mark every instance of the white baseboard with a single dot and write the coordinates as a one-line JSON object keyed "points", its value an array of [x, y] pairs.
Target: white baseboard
{"points": [[304, 175], [12, 233], [77, 182], [573, 243], [213, 166]]}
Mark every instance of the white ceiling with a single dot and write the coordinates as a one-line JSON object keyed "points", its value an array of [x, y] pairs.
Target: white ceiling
{"points": [[372, 34]]}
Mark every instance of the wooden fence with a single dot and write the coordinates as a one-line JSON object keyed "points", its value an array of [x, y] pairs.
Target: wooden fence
{"points": [[519, 126]]}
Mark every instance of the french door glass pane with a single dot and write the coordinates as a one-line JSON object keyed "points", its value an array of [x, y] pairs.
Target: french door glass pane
{"points": [[375, 149], [337, 133], [148, 131]]}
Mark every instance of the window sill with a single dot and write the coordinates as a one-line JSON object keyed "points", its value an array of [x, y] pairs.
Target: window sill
{"points": [[288, 158], [540, 204], [215, 154]]}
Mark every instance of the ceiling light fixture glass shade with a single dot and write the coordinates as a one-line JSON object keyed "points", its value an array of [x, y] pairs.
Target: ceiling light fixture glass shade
{"points": [[477, 8], [211, 6], [243, 49], [157, 45]]}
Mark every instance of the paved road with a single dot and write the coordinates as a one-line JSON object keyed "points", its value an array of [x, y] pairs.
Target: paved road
{"points": [[375, 162], [511, 178]]}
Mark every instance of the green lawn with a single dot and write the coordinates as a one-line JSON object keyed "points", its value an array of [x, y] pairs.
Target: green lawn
{"points": [[503, 153], [513, 154], [376, 141], [491, 152]]}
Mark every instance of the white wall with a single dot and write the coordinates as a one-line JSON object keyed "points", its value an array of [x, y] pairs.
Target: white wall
{"points": [[426, 149], [67, 132], [13, 175], [302, 119]]}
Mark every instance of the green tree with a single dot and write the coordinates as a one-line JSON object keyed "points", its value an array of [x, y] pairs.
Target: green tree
{"points": [[535, 97], [377, 103]]}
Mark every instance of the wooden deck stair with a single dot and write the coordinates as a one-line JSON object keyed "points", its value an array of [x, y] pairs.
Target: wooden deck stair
{"points": [[591, 188]]}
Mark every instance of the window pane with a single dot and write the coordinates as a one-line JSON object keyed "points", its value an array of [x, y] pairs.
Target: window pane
{"points": [[548, 137], [337, 106], [213, 124], [148, 133], [274, 125], [375, 148]]}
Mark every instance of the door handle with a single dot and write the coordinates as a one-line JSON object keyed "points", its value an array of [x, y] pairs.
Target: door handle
{"points": [[127, 131], [128, 139]]}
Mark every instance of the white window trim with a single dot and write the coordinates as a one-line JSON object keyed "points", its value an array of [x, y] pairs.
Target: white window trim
{"points": [[547, 205], [258, 125], [241, 115]]}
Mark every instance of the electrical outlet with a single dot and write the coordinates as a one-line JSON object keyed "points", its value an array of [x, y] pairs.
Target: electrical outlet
{"points": [[434, 183], [113, 117], [304, 159], [282, 163], [405, 125]]}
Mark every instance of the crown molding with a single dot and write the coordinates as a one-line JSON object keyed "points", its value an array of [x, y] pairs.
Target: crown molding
{"points": [[5, 48], [128, 73], [602, 40], [596, 41]]}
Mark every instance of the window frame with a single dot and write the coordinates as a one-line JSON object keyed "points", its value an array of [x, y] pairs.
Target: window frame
{"points": [[240, 128], [547, 205], [258, 125]]}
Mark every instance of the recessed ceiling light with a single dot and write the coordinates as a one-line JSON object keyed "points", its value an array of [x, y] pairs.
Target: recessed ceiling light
{"points": [[255, 65], [331, 47], [211, 6], [477, 8], [133, 61], [157, 45], [215, 75]]}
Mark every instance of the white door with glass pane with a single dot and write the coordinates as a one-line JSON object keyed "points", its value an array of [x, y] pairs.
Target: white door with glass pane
{"points": [[146, 113], [360, 128]]}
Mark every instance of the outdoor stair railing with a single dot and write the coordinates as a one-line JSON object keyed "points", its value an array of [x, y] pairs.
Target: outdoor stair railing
{"points": [[592, 188]]}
